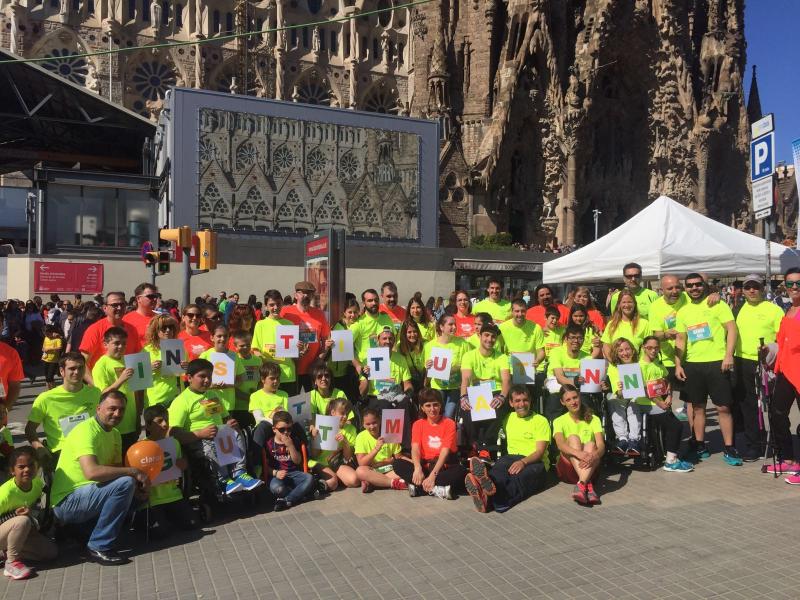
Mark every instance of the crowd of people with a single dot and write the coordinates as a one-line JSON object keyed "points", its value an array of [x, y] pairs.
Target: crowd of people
{"points": [[495, 398]]}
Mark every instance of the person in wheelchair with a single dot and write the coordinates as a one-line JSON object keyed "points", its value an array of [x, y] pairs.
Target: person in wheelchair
{"points": [[522, 470], [289, 483], [196, 416], [336, 466], [626, 423]]}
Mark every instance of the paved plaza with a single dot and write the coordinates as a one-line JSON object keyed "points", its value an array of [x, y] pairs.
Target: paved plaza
{"points": [[719, 532]]}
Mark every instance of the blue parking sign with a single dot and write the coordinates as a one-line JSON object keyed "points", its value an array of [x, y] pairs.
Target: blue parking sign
{"points": [[762, 157]]}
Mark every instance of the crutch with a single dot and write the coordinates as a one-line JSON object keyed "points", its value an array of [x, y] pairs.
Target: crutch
{"points": [[764, 401]]}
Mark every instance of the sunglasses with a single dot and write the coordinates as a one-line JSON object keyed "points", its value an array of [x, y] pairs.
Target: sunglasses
{"points": [[325, 376], [192, 315], [751, 286], [168, 328], [695, 284], [283, 429], [116, 305], [632, 275], [152, 296], [791, 284]]}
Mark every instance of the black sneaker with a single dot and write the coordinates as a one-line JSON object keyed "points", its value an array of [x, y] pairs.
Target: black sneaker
{"points": [[751, 456], [281, 504]]}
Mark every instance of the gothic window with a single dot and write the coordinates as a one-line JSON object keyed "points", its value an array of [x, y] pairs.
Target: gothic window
{"points": [[364, 214], [393, 216], [245, 156], [131, 9], [292, 198], [381, 100], [209, 198], [62, 62], [217, 24], [313, 92], [349, 167], [151, 79], [301, 214], [146, 11], [334, 42], [222, 209], [245, 211], [178, 16], [282, 159], [229, 22], [207, 150], [263, 216], [385, 16], [314, 6], [316, 162], [165, 13], [329, 212]]}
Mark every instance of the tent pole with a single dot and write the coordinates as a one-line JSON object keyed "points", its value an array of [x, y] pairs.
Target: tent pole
{"points": [[768, 270]]}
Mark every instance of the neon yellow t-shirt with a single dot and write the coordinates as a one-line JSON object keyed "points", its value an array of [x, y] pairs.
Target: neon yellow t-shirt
{"points": [[399, 371], [252, 379], [458, 347], [319, 404], [349, 433], [228, 395], [663, 317], [527, 338], [105, 372], [486, 368], [475, 342], [12, 497], [268, 403], [644, 299], [624, 330], [51, 349], [499, 311], [552, 339], [703, 326], [165, 387], [366, 330], [428, 331], [651, 372], [566, 426], [560, 359], [88, 438], [365, 443], [169, 491], [522, 434], [755, 322], [264, 335], [60, 411], [194, 411], [338, 367]]}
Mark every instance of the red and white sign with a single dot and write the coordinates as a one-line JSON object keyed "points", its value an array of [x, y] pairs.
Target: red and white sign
{"points": [[318, 247], [51, 277], [194, 256]]}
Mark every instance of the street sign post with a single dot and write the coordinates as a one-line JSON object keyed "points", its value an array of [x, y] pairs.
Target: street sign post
{"points": [[762, 170], [762, 157]]}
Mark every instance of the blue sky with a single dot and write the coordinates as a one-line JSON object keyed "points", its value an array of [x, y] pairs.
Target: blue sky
{"points": [[771, 29]]}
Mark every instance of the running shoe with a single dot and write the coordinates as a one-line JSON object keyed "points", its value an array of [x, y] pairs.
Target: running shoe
{"points": [[443, 491], [366, 487], [399, 484], [17, 570], [680, 414], [783, 468], [475, 491], [704, 453], [248, 483], [412, 490], [731, 456], [231, 487], [679, 466], [792, 479], [591, 495], [282, 504], [478, 468], [579, 493]]}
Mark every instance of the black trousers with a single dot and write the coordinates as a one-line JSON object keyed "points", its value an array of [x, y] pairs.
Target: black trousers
{"points": [[513, 489], [671, 428], [452, 474], [484, 433], [746, 398], [782, 399]]}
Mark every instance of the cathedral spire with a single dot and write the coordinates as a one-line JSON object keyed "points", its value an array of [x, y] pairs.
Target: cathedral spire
{"points": [[753, 100]]}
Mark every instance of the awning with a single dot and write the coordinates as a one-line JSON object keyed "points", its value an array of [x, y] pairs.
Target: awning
{"points": [[463, 264], [49, 119]]}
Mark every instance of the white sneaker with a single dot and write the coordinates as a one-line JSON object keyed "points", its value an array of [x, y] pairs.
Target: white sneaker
{"points": [[443, 492]]}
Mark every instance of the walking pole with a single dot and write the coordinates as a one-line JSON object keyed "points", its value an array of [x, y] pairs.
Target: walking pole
{"points": [[762, 389]]}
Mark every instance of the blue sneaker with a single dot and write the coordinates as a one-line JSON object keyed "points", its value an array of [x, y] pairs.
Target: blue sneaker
{"points": [[731, 456], [703, 453], [231, 487], [248, 483], [678, 466]]}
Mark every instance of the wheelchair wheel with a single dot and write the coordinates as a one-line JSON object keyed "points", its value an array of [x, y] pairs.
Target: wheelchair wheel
{"points": [[205, 512]]}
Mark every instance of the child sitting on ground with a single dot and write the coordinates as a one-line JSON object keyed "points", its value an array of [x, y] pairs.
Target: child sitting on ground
{"points": [[374, 456], [289, 483], [333, 466]]}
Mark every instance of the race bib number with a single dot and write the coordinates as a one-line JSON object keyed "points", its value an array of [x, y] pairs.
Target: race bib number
{"points": [[670, 320], [307, 335], [382, 385], [698, 333], [251, 373], [491, 382], [211, 406], [571, 373], [67, 424], [657, 388]]}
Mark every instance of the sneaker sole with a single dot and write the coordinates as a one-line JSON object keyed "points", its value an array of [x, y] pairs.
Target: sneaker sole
{"points": [[664, 468], [734, 462], [16, 577], [475, 492], [786, 479], [478, 468], [594, 502], [580, 499]]}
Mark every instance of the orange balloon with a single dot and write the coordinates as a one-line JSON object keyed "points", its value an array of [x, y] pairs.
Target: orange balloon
{"points": [[147, 456]]}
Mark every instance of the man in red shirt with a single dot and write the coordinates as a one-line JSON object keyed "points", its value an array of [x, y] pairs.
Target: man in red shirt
{"points": [[315, 333], [10, 373], [389, 304], [92, 341], [544, 298], [146, 299]]}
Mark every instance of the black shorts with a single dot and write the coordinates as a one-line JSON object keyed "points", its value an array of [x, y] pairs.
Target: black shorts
{"points": [[707, 379], [50, 371]]}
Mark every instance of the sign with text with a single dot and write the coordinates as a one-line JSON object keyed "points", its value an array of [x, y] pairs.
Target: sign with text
{"points": [[593, 371], [378, 363], [442, 359], [523, 368], [392, 425], [762, 156], [142, 371], [169, 470], [480, 398], [342, 349], [173, 354], [327, 430], [632, 380], [228, 451], [300, 408], [51, 277], [286, 340], [224, 368]]}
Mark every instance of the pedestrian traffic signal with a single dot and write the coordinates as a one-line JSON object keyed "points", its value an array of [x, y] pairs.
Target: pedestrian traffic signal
{"points": [[208, 249], [151, 258], [163, 261], [181, 237]]}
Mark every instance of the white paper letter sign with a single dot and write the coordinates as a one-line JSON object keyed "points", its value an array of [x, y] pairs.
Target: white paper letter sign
{"points": [[342, 345], [632, 381], [593, 371], [228, 451], [378, 363], [170, 470], [523, 368], [142, 371], [327, 430], [224, 368], [392, 423], [480, 398], [442, 359], [286, 338], [172, 355], [300, 408]]}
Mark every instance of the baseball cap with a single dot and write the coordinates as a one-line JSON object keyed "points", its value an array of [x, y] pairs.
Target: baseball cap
{"points": [[304, 286], [754, 278]]}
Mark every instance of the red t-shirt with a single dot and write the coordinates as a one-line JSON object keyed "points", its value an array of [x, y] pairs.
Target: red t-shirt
{"points": [[92, 341], [397, 314], [139, 322], [195, 344], [465, 326], [10, 368], [433, 437], [314, 329], [536, 314], [596, 317]]}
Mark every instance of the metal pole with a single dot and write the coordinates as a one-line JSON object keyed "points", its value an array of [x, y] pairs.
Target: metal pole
{"points": [[187, 276], [768, 270], [30, 203], [153, 275], [597, 214], [40, 223]]}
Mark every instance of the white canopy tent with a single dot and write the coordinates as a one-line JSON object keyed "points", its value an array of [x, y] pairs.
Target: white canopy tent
{"points": [[667, 237]]}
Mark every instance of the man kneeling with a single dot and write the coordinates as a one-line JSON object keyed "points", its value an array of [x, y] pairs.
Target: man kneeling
{"points": [[90, 483], [521, 472]]}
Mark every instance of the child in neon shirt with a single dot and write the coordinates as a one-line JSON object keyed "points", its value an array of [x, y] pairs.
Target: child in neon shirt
{"points": [[375, 457], [242, 342], [270, 398], [334, 466]]}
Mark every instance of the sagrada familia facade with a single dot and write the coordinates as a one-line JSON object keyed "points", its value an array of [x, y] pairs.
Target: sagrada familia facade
{"points": [[552, 112]]}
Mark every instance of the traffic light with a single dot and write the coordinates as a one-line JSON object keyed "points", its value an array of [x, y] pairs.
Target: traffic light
{"points": [[151, 258], [181, 237], [163, 261], [207, 249]]}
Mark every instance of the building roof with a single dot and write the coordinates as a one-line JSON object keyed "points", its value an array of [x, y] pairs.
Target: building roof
{"points": [[49, 119]]}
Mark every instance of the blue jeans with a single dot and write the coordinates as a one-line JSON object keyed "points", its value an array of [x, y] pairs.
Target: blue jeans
{"points": [[294, 487], [108, 502], [451, 399]]}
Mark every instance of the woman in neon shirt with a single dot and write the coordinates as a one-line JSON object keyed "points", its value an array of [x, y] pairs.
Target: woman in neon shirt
{"points": [[410, 346], [579, 315], [416, 310], [165, 387], [625, 323], [447, 339]]}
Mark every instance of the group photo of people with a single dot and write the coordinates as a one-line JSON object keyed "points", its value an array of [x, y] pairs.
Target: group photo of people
{"points": [[159, 418]]}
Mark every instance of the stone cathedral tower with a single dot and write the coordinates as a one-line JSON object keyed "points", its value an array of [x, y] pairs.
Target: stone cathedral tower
{"points": [[549, 109]]}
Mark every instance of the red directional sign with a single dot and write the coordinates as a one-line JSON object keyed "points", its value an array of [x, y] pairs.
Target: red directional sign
{"points": [[51, 277]]}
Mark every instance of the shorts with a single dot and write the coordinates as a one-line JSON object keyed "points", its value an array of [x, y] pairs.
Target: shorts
{"points": [[706, 379], [50, 371], [677, 384], [565, 470]]}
